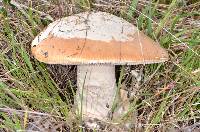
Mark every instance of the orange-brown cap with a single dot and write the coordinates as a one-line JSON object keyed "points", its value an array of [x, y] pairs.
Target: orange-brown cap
{"points": [[95, 38]]}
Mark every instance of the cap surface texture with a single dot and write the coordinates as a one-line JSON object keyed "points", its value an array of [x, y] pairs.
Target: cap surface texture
{"points": [[95, 38]]}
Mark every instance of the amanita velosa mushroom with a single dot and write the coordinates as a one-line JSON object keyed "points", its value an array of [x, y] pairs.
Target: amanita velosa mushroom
{"points": [[95, 42]]}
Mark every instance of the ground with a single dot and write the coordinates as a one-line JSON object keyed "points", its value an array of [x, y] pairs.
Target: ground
{"points": [[39, 97]]}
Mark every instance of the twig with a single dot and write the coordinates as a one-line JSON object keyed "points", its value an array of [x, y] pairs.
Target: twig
{"points": [[25, 111]]}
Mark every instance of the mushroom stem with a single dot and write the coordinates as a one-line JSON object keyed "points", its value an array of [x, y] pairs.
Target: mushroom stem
{"points": [[96, 90]]}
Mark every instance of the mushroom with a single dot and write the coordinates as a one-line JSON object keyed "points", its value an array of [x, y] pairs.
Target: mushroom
{"points": [[95, 42]]}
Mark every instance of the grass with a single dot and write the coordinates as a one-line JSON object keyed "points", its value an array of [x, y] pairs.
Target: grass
{"points": [[168, 98]]}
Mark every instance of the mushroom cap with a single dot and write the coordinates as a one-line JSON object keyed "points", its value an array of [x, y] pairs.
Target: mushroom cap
{"points": [[95, 38]]}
